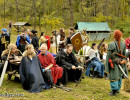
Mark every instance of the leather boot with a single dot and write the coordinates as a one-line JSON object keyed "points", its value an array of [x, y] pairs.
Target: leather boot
{"points": [[113, 93]]}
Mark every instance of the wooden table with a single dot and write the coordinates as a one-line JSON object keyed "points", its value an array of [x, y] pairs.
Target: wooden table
{"points": [[13, 69]]}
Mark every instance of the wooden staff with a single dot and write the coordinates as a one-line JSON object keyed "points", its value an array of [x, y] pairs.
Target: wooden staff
{"points": [[4, 69]]}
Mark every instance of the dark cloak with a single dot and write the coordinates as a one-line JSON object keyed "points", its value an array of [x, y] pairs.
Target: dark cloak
{"points": [[31, 74], [35, 42], [66, 62], [2, 45]]}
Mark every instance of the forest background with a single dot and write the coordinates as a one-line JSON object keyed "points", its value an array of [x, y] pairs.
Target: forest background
{"points": [[48, 15]]}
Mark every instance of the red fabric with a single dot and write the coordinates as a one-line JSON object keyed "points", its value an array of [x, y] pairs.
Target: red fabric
{"points": [[111, 63], [48, 42], [117, 36], [48, 59], [127, 42]]}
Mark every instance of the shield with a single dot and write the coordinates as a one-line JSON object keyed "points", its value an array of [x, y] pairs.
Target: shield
{"points": [[76, 40]]}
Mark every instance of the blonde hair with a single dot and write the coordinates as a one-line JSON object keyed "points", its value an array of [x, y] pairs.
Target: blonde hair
{"points": [[26, 53], [10, 46], [102, 48]]}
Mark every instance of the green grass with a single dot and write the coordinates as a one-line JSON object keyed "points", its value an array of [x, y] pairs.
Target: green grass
{"points": [[88, 89]]}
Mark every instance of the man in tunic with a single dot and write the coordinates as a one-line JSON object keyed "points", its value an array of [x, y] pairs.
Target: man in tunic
{"points": [[115, 57], [31, 74], [67, 60], [52, 71]]}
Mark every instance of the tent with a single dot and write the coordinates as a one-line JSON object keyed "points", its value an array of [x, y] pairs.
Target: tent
{"points": [[95, 30]]}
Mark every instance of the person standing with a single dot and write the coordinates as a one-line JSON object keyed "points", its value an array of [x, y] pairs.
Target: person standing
{"points": [[22, 40], [72, 32], [35, 40], [127, 42], [116, 53], [61, 39], [5, 39]]}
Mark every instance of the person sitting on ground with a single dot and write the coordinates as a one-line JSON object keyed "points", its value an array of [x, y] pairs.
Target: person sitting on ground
{"points": [[103, 51], [67, 60], [15, 55], [95, 62], [31, 74], [52, 72]]}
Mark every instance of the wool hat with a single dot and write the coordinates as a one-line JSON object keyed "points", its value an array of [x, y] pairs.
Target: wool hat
{"points": [[4, 29]]}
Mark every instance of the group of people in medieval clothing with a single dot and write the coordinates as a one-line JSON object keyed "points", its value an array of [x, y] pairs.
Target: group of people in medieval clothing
{"points": [[38, 72], [40, 69]]}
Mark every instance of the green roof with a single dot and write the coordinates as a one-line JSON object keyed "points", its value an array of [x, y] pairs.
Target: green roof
{"points": [[90, 26]]}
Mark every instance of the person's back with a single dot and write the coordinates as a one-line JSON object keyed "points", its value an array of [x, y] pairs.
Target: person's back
{"points": [[116, 53]]}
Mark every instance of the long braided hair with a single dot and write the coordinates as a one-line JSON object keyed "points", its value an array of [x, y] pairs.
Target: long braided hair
{"points": [[117, 36]]}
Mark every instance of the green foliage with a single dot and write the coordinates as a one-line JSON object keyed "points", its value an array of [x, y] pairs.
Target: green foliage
{"points": [[101, 18], [57, 13], [123, 25], [49, 21]]}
